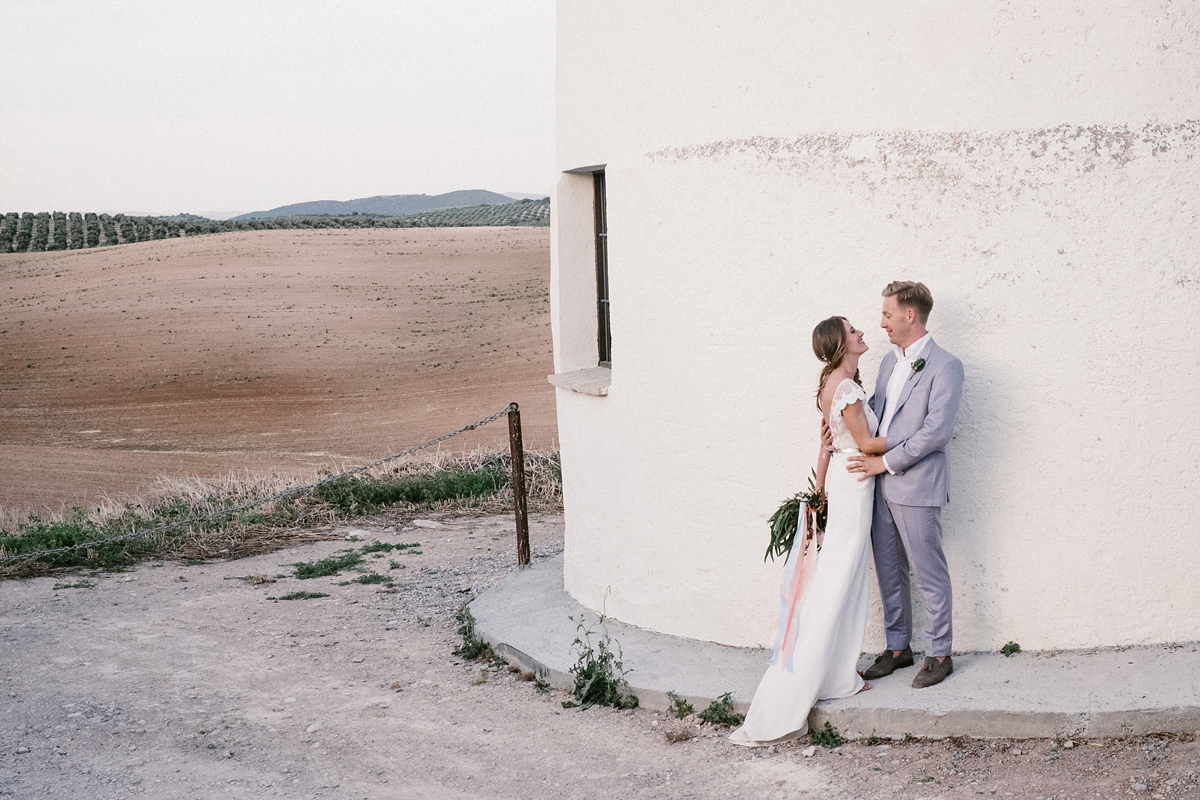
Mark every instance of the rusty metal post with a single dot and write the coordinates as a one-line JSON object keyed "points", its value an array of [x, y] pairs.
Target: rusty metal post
{"points": [[517, 450]]}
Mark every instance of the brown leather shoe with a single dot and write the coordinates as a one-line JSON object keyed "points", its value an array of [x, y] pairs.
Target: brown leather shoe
{"points": [[933, 672], [886, 664]]}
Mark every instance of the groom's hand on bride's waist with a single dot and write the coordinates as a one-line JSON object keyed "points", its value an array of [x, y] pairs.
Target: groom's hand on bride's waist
{"points": [[866, 466]]}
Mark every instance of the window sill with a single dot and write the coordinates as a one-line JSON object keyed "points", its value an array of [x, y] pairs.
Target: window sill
{"points": [[594, 380]]}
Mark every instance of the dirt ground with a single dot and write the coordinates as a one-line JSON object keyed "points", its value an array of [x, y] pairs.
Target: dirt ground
{"points": [[190, 681], [283, 351]]}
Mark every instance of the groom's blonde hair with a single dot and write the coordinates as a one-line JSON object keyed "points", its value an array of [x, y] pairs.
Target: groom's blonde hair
{"points": [[912, 294]]}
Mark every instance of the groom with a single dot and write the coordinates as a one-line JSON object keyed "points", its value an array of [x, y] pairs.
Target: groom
{"points": [[916, 400]]}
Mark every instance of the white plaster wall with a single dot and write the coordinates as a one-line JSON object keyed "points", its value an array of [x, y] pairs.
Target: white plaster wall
{"points": [[770, 164]]}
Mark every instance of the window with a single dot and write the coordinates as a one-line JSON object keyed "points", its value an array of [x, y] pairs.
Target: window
{"points": [[604, 328]]}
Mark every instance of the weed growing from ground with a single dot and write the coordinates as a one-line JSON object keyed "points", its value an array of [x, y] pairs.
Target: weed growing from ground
{"points": [[472, 646], [720, 712], [1010, 649], [327, 567], [679, 707], [827, 737], [599, 673], [872, 741]]}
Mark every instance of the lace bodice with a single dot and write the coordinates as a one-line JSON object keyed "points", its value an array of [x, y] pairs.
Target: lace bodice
{"points": [[848, 393]]}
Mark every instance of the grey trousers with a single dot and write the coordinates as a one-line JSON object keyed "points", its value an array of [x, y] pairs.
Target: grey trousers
{"points": [[900, 534]]}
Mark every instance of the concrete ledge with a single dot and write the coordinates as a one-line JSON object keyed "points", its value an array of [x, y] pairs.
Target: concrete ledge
{"points": [[532, 621], [594, 380]]}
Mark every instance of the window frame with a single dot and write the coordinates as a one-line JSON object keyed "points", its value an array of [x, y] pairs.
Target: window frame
{"points": [[603, 298]]}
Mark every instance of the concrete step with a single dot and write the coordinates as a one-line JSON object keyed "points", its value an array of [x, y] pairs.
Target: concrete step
{"points": [[1112, 692]]}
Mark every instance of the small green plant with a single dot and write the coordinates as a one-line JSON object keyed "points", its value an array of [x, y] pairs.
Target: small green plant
{"points": [[1010, 649], [599, 673], [679, 708], [720, 712], [472, 646], [300, 596], [872, 741], [541, 684], [827, 736], [395, 565], [327, 567], [908, 737]]}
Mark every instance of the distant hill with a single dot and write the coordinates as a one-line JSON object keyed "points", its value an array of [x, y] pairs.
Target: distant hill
{"points": [[385, 205], [33, 233]]}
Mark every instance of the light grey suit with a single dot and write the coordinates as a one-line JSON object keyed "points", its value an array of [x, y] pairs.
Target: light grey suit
{"points": [[908, 504]]}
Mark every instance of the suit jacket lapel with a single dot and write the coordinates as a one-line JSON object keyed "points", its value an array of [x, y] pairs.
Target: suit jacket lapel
{"points": [[909, 383], [885, 373]]}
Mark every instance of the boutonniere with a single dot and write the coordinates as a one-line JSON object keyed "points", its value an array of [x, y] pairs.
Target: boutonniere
{"points": [[917, 366]]}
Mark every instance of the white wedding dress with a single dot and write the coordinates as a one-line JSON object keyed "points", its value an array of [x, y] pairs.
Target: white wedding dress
{"points": [[832, 615]]}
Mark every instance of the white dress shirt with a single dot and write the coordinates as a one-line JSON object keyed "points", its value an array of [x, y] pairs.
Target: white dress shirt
{"points": [[895, 385]]}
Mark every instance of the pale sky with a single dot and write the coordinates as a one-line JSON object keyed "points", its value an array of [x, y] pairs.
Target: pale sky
{"points": [[219, 107]]}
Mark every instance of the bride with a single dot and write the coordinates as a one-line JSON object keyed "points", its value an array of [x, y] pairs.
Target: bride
{"points": [[827, 632]]}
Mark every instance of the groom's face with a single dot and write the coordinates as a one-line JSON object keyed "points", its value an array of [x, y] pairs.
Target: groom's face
{"points": [[897, 321]]}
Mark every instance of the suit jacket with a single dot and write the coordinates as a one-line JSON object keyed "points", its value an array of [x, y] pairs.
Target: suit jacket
{"points": [[920, 429]]}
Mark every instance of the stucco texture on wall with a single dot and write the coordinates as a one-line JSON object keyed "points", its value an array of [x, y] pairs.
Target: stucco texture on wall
{"points": [[1065, 265]]}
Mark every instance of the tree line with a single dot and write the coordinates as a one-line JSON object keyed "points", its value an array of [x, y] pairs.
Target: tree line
{"points": [[31, 232]]}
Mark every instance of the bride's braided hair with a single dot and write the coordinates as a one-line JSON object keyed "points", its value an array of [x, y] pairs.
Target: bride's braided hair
{"points": [[829, 344]]}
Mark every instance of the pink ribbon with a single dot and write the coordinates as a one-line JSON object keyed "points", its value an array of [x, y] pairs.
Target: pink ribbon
{"points": [[797, 576]]}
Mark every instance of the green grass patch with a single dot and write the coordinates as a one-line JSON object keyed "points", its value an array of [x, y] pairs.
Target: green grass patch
{"points": [[369, 578], [327, 567], [387, 547], [35, 536], [367, 494], [300, 596]]}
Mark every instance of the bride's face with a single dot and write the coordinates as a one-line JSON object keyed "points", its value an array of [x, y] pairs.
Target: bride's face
{"points": [[854, 340]]}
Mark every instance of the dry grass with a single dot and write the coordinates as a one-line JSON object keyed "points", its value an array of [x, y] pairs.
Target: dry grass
{"points": [[277, 523]]}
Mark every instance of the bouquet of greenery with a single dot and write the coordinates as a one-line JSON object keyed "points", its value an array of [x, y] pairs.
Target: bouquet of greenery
{"points": [[786, 520]]}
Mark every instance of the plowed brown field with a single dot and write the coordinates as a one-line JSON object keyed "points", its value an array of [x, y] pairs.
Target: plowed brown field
{"points": [[284, 351]]}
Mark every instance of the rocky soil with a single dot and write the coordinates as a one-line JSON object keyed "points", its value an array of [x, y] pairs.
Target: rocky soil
{"points": [[191, 681]]}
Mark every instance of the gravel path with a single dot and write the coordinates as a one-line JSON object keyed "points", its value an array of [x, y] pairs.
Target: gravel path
{"points": [[174, 681]]}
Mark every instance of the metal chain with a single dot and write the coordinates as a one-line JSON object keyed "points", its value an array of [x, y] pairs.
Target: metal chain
{"points": [[227, 512]]}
